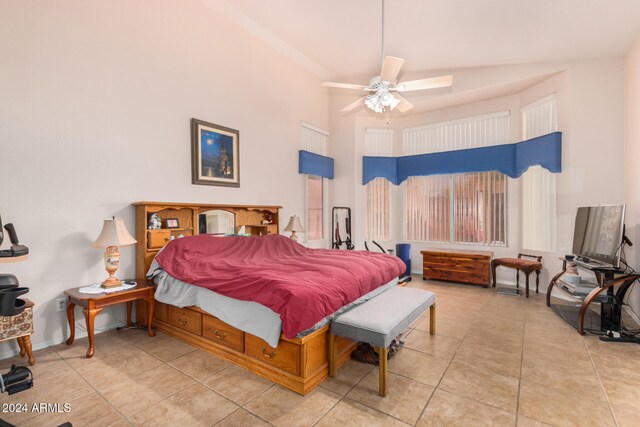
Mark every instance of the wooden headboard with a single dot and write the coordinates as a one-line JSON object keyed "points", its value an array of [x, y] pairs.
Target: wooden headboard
{"points": [[151, 241]]}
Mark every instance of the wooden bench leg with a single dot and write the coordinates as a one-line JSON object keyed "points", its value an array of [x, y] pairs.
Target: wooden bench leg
{"points": [[517, 278], [537, 280], [383, 353], [527, 283], [332, 355], [432, 319]]}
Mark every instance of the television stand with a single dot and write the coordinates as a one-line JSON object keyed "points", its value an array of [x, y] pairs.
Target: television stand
{"points": [[614, 281]]}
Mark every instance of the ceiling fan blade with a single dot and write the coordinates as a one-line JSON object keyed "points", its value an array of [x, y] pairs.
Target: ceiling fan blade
{"points": [[353, 106], [390, 68], [430, 83], [344, 85], [404, 105]]}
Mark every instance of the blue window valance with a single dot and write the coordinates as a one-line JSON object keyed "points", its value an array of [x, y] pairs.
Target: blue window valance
{"points": [[510, 159], [315, 164]]}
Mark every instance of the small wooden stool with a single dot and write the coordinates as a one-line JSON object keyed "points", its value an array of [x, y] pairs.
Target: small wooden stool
{"points": [[20, 328], [519, 264]]}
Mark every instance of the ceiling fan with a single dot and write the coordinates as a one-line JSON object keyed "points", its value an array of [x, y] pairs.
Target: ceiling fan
{"points": [[384, 89]]}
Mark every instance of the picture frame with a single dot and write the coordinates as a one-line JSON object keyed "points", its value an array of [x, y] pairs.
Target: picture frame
{"points": [[171, 223], [215, 154]]}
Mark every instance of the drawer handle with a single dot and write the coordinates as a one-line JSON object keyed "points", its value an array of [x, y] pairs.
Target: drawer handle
{"points": [[217, 335], [267, 355], [182, 320]]}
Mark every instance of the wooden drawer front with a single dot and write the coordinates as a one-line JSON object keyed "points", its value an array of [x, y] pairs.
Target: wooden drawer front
{"points": [[161, 312], [479, 277], [186, 319], [476, 267], [285, 357], [221, 333], [158, 238]]}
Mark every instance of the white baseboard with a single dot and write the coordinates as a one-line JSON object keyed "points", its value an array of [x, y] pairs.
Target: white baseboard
{"points": [[80, 333]]}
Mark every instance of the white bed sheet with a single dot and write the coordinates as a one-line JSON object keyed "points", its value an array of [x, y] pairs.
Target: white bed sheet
{"points": [[248, 316]]}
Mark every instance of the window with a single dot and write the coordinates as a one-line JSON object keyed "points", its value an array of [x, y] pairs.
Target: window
{"points": [[378, 142], [539, 201], [314, 207], [459, 208], [314, 140]]}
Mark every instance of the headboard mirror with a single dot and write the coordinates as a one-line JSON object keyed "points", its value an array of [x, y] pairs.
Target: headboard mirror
{"points": [[216, 222]]}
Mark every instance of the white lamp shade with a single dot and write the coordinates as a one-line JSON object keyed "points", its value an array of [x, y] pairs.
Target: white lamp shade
{"points": [[294, 224], [114, 233]]}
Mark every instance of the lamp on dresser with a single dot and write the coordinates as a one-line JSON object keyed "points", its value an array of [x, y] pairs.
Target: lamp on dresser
{"points": [[293, 226], [114, 234]]}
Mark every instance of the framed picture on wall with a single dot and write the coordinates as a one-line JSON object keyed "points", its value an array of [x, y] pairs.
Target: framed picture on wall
{"points": [[172, 223], [215, 154]]}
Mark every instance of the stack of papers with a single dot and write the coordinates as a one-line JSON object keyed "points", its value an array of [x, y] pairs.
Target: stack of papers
{"points": [[96, 288]]}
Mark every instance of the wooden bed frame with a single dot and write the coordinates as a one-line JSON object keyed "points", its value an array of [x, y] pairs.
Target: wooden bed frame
{"points": [[298, 364]]}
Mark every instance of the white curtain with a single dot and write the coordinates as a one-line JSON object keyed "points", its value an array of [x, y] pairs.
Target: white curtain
{"points": [[378, 142], [461, 208], [539, 195]]}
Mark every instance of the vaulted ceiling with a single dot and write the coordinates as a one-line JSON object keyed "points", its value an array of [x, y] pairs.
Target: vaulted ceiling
{"points": [[340, 39]]}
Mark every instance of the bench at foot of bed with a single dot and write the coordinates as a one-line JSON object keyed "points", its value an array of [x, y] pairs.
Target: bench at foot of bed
{"points": [[378, 321]]}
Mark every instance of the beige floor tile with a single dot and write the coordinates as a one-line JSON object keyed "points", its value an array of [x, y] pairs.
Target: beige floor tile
{"points": [[447, 409], [164, 347], [105, 343], [59, 386], [557, 353], [350, 413], [282, 407], [46, 360], [405, 398], [488, 359], [626, 415], [196, 405], [238, 384], [621, 385], [444, 327], [581, 382], [242, 418], [347, 377], [436, 345], [493, 389], [501, 341], [199, 364], [107, 370], [90, 410], [514, 327], [147, 389], [560, 408], [418, 366], [529, 422]]}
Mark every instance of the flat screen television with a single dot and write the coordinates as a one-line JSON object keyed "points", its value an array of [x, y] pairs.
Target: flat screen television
{"points": [[598, 233]]}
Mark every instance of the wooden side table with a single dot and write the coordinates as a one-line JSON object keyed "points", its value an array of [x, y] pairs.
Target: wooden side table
{"points": [[92, 304]]}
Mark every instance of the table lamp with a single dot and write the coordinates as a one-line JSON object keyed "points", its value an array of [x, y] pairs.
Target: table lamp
{"points": [[293, 226], [114, 234]]}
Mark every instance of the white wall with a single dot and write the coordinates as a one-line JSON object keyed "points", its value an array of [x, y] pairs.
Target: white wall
{"points": [[590, 98], [632, 159], [95, 103]]}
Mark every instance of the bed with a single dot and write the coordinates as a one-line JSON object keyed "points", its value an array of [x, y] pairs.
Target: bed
{"points": [[233, 295]]}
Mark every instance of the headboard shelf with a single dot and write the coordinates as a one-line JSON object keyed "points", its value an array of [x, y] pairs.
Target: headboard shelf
{"points": [[187, 215]]}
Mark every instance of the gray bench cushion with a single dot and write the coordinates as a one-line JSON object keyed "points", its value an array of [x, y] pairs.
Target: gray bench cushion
{"points": [[381, 319]]}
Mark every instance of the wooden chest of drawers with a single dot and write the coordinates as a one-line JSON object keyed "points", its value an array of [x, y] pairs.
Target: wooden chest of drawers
{"points": [[472, 267]]}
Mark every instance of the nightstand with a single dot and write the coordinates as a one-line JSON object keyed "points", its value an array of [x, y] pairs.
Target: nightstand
{"points": [[92, 304]]}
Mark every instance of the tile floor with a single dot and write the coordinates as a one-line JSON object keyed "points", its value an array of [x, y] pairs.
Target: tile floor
{"points": [[495, 360]]}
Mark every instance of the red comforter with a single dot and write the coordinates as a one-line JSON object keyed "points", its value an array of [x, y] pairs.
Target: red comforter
{"points": [[302, 285]]}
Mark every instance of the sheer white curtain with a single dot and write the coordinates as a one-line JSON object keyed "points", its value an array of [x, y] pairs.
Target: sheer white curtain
{"points": [[315, 140], [378, 142], [539, 195], [461, 208]]}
